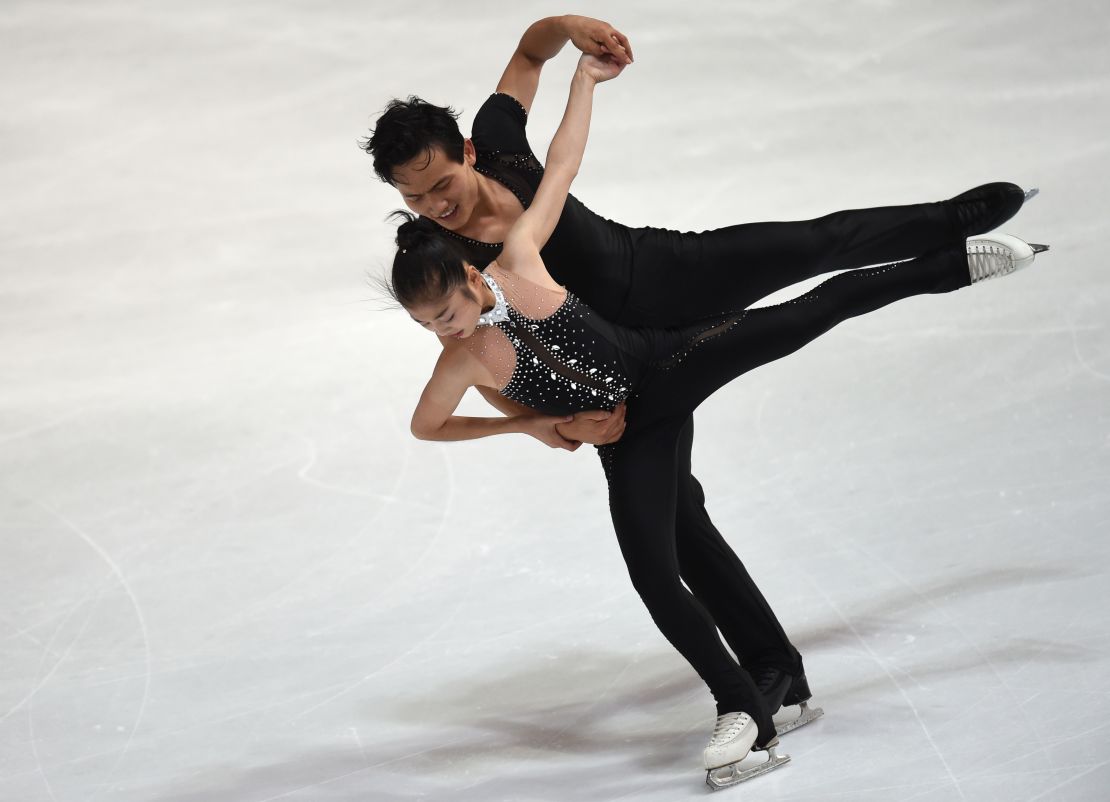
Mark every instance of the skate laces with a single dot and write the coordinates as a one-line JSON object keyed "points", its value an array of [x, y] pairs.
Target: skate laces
{"points": [[987, 260], [728, 726]]}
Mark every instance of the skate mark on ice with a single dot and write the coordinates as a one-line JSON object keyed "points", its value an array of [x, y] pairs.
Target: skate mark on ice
{"points": [[26, 630], [31, 431], [447, 509], [969, 641], [29, 699], [386, 498], [545, 623], [48, 649], [202, 724], [1069, 779], [418, 561], [553, 739], [35, 749], [208, 723], [903, 792], [350, 686], [893, 680], [358, 742], [1098, 374], [263, 604], [1057, 770], [364, 769], [119, 575]]}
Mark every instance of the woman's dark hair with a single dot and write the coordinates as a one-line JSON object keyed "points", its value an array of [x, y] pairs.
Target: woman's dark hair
{"points": [[427, 266], [409, 128]]}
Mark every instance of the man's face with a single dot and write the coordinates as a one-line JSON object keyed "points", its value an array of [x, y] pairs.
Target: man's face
{"points": [[439, 188]]}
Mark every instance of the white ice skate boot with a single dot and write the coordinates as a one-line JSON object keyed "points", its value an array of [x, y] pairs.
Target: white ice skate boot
{"points": [[994, 255], [732, 741]]}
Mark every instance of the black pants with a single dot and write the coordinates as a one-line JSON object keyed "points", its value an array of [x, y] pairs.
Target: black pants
{"points": [[680, 277], [657, 506]]}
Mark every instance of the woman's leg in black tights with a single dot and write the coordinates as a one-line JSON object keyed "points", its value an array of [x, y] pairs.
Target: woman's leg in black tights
{"points": [[642, 474], [682, 277], [719, 580], [769, 333]]}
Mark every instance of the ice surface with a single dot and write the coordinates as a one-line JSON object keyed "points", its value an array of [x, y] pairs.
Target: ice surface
{"points": [[227, 572]]}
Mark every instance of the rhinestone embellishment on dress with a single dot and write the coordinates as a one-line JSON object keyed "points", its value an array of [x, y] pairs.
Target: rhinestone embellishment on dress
{"points": [[500, 311]]}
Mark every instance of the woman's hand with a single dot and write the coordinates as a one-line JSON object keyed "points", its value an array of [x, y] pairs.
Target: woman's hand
{"points": [[542, 427], [596, 427], [601, 68], [598, 38]]}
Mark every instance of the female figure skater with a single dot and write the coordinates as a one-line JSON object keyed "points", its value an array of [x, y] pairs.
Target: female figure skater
{"points": [[476, 190], [515, 330]]}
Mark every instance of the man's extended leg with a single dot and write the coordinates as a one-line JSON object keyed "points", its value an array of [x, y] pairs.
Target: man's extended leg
{"points": [[684, 277]]}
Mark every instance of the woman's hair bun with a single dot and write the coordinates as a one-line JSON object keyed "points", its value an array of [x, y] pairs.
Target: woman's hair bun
{"points": [[427, 265], [413, 231]]}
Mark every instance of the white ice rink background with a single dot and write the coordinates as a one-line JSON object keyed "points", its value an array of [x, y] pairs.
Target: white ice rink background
{"points": [[227, 572]]}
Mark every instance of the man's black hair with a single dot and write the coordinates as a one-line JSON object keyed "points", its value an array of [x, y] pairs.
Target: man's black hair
{"points": [[409, 128]]}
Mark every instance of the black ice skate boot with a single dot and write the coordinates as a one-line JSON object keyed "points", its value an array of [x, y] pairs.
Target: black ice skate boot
{"points": [[985, 207], [781, 689]]}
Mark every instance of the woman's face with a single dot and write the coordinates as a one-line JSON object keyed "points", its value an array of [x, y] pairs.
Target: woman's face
{"points": [[454, 316]]}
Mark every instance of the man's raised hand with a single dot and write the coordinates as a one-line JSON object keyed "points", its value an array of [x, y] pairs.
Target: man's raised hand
{"points": [[600, 39]]}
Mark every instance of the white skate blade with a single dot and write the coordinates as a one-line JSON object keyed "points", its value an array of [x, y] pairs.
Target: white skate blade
{"points": [[744, 770], [1030, 194], [806, 715]]}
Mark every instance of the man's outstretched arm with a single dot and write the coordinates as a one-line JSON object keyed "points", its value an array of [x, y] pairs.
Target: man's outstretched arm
{"points": [[545, 38]]}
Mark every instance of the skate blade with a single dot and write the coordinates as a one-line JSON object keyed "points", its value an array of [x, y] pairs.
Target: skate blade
{"points": [[1038, 248], [1031, 193], [733, 774], [805, 716]]}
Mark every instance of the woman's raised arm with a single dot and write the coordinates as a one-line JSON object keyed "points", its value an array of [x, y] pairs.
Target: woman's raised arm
{"points": [[533, 228], [545, 38]]}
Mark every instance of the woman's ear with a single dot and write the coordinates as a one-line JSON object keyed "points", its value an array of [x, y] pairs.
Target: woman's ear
{"points": [[474, 284]]}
